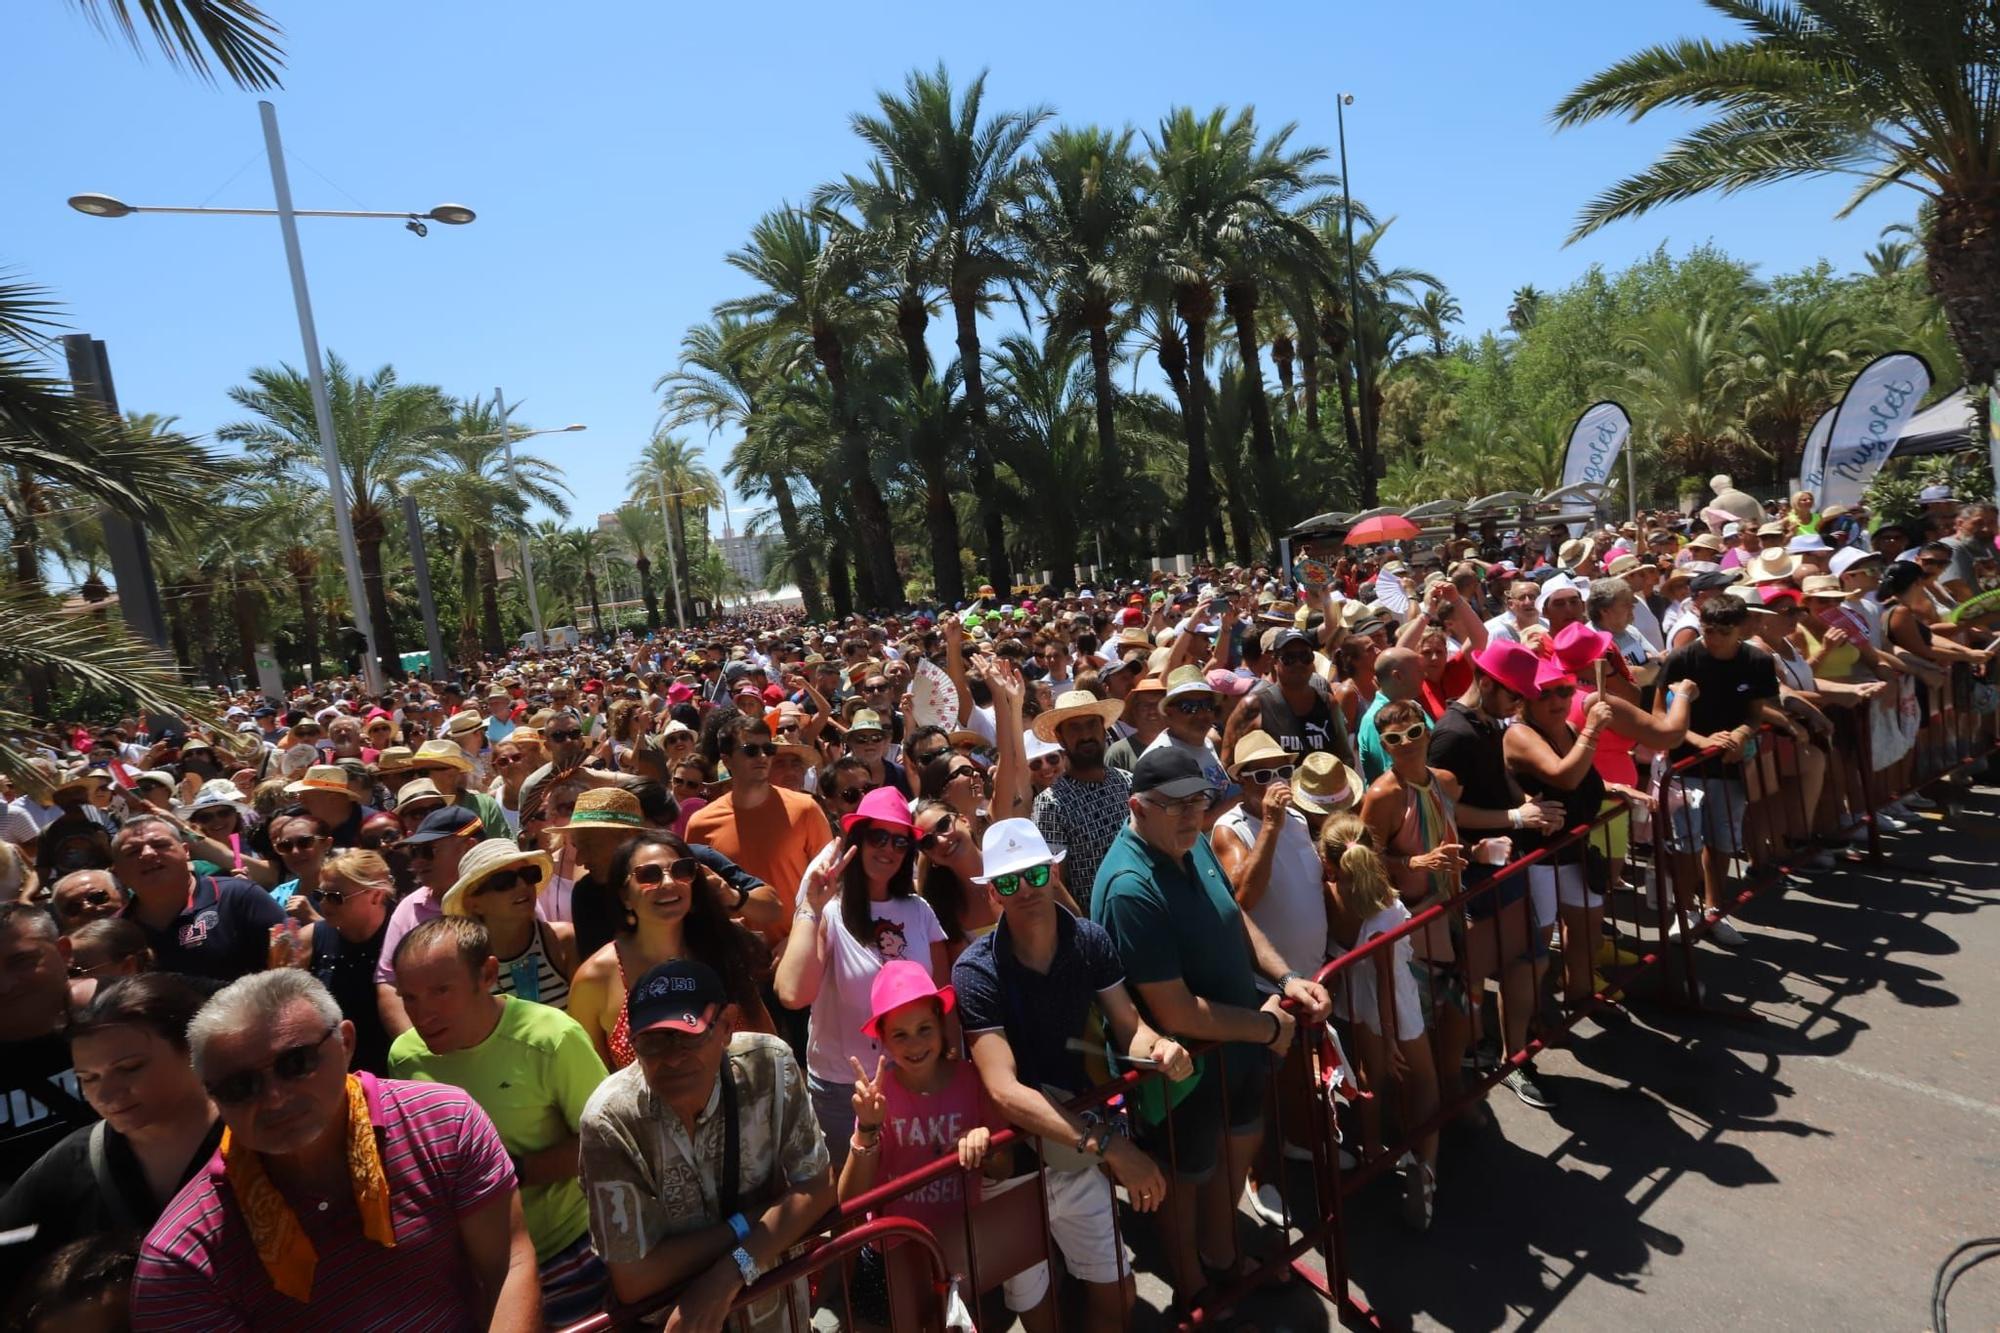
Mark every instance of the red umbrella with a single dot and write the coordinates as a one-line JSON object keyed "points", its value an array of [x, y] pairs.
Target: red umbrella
{"points": [[1385, 528]]}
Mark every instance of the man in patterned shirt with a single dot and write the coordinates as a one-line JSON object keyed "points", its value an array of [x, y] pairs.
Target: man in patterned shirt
{"points": [[701, 1160], [1084, 809]]}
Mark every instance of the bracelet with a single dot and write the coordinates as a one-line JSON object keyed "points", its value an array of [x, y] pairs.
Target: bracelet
{"points": [[741, 1226], [873, 1131], [1514, 819], [857, 1146], [1277, 1027]]}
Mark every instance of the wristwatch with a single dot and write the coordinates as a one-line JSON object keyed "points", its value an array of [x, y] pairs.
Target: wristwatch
{"points": [[1287, 980], [745, 1265]]}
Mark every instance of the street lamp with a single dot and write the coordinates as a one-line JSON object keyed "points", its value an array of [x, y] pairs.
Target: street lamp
{"points": [[507, 439], [673, 546], [450, 215], [1368, 491]]}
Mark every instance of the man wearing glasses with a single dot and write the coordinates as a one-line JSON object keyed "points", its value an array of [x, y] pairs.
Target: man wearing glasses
{"points": [[206, 926], [1189, 707], [769, 831], [338, 1200], [1193, 959]]}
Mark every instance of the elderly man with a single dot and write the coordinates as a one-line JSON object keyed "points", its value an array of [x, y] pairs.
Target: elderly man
{"points": [[338, 1201], [499, 715], [453, 773], [1520, 615], [1399, 674], [702, 1161], [85, 895], [1085, 807], [1143, 719], [434, 850], [530, 1068], [328, 796], [1641, 577], [1193, 958], [217, 927], [1024, 990], [1971, 544], [42, 1100]]}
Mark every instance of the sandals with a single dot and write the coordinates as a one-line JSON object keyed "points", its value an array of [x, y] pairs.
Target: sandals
{"points": [[1419, 1192]]}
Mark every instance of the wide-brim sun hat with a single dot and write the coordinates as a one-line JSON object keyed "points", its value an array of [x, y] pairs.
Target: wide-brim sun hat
{"points": [[329, 778], [1773, 567], [1187, 680], [1827, 586], [441, 753], [1254, 747], [1323, 784], [902, 982], [483, 860], [1076, 703], [1014, 845], [207, 799]]}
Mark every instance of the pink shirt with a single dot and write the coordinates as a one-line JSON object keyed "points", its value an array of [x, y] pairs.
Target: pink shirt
{"points": [[917, 1129], [443, 1158]]}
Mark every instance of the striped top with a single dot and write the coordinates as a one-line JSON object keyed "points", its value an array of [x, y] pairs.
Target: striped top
{"points": [[531, 974], [443, 1159]]}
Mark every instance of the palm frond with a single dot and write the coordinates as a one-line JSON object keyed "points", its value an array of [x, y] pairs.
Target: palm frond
{"points": [[234, 34]]}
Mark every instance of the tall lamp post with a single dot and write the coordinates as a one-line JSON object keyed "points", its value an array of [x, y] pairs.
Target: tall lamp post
{"points": [[453, 215], [507, 438], [1361, 374]]}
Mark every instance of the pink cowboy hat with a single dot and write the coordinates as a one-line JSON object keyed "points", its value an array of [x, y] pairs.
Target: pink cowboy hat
{"points": [[1577, 645], [899, 983], [1510, 664], [885, 806]]}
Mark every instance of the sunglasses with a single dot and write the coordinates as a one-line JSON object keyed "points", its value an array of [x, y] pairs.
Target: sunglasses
{"points": [[1192, 707], [337, 897], [754, 750], [296, 844], [1408, 736], [1045, 761], [1264, 777], [507, 879], [506, 761], [686, 782], [93, 898], [682, 868], [1295, 659], [929, 755], [211, 816], [937, 833], [559, 737], [878, 838], [970, 774], [290, 1066], [1034, 877], [851, 795]]}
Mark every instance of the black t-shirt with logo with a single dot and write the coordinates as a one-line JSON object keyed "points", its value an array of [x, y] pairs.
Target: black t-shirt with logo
{"points": [[223, 933], [1728, 687], [42, 1101]]}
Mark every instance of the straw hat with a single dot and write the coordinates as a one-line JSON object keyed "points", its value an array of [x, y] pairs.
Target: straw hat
{"points": [[1322, 784], [1772, 567], [458, 724], [1253, 748], [78, 782], [1827, 586], [417, 789], [604, 810], [865, 719], [441, 754], [1188, 680], [322, 777], [485, 859], [393, 759], [1077, 703]]}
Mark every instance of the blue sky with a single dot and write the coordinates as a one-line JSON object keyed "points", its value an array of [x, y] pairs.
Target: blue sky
{"points": [[616, 152]]}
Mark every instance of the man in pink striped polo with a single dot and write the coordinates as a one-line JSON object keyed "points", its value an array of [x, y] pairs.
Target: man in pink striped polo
{"points": [[337, 1200]]}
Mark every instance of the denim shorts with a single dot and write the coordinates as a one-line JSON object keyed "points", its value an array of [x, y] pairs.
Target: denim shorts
{"points": [[1707, 814]]}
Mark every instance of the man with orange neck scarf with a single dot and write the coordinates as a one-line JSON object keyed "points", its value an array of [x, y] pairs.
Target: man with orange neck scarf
{"points": [[337, 1200]]}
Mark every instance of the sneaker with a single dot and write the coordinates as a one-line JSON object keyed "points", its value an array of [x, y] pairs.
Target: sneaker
{"points": [[1524, 1087], [1611, 954], [1419, 1186], [1266, 1203], [1889, 823], [1722, 932], [1897, 810], [1916, 801]]}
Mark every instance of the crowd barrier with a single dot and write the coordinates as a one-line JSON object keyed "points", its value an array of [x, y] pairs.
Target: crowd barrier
{"points": [[1006, 1231]]}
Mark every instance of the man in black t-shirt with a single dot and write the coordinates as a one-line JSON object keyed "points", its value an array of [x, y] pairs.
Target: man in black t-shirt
{"points": [[39, 1098], [217, 927], [1735, 692], [1467, 744]]}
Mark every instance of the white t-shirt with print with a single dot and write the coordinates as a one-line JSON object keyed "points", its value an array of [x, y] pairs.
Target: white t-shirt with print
{"points": [[903, 928]]}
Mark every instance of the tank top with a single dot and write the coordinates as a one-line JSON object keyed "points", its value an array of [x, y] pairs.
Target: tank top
{"points": [[532, 975], [1838, 663], [1614, 748], [1324, 729], [1580, 805], [1428, 821], [1292, 911]]}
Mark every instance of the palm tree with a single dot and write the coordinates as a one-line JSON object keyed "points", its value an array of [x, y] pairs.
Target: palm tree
{"points": [[641, 529], [806, 299], [1521, 309], [1791, 366], [1044, 438], [384, 432], [1681, 390], [234, 34], [1889, 91], [671, 465], [961, 179], [1085, 199], [588, 549], [928, 424], [1436, 313], [296, 516]]}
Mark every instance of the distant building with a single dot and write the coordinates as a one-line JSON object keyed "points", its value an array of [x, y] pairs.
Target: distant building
{"points": [[748, 554]]}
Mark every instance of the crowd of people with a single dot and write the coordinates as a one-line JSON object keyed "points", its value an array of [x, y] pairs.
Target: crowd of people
{"points": [[605, 973]]}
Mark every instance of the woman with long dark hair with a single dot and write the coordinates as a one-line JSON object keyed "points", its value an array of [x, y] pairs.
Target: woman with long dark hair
{"points": [[858, 909], [674, 907], [945, 877]]}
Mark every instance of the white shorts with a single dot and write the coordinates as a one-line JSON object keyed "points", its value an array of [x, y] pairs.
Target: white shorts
{"points": [[1081, 1205], [1567, 884]]}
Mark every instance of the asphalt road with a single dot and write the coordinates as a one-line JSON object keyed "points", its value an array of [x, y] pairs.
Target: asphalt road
{"points": [[1800, 1154]]}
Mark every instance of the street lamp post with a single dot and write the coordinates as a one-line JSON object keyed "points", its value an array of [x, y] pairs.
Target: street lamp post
{"points": [[104, 206], [673, 543], [1368, 491]]}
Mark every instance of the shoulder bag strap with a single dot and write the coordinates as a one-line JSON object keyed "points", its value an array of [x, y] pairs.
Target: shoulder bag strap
{"points": [[729, 1186], [115, 1202]]}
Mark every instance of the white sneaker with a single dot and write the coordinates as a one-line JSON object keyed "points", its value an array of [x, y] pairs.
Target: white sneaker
{"points": [[1723, 933], [1888, 822], [1683, 923]]}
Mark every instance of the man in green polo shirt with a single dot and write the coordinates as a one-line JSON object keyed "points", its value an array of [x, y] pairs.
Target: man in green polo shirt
{"points": [[1163, 898], [530, 1068]]}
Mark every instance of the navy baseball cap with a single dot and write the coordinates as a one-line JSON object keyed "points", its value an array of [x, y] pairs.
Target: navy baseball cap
{"points": [[454, 821], [678, 996], [1170, 771]]}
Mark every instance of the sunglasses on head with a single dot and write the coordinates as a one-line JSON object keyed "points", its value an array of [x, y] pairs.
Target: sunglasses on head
{"points": [[507, 879], [1192, 707], [1264, 777], [1034, 877], [336, 897], [682, 868], [878, 838], [1409, 735], [289, 1066]]}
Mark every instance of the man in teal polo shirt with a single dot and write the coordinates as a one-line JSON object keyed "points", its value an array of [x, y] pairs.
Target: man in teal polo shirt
{"points": [[1399, 674], [1162, 897]]}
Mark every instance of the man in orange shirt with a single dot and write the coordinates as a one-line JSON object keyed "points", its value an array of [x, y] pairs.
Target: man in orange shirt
{"points": [[769, 831]]}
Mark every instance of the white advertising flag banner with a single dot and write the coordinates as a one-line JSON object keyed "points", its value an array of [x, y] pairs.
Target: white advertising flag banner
{"points": [[1812, 463], [1594, 443], [1869, 420]]}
